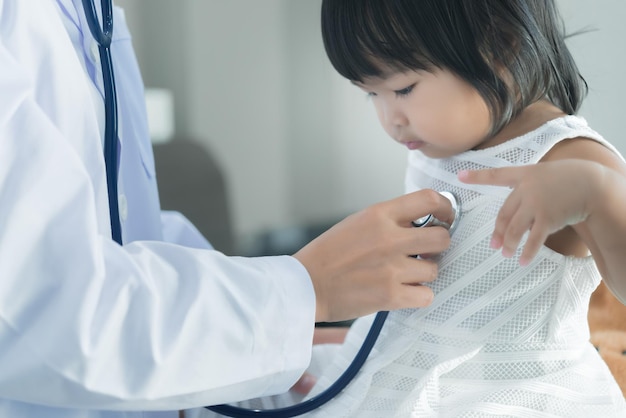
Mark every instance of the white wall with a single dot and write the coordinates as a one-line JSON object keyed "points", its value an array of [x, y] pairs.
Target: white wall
{"points": [[238, 62], [601, 55], [298, 143], [227, 63]]}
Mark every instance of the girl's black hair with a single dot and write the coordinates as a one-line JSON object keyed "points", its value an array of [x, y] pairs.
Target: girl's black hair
{"points": [[512, 51]]}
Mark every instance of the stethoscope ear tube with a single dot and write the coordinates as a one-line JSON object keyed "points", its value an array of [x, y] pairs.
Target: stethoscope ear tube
{"points": [[103, 36]]}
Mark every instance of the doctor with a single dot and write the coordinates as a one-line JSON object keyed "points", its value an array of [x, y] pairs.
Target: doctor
{"points": [[91, 328]]}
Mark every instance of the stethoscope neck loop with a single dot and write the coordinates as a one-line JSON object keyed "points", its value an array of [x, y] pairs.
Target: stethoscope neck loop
{"points": [[102, 34]]}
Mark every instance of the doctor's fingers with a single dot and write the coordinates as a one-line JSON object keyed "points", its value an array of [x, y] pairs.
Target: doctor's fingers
{"points": [[415, 205], [413, 291], [329, 335], [420, 241], [403, 285], [416, 271]]}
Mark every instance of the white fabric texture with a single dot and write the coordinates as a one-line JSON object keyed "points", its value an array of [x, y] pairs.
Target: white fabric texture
{"points": [[92, 329], [500, 340]]}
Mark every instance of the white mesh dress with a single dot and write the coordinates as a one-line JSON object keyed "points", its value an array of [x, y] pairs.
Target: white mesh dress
{"points": [[499, 340]]}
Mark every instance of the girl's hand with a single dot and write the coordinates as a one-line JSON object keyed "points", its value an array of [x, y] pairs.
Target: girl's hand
{"points": [[546, 198]]}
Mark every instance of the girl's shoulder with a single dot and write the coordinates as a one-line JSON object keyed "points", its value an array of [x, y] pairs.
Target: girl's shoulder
{"points": [[535, 145], [573, 138]]}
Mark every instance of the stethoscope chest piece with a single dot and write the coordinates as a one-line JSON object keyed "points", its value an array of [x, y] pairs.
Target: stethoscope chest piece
{"points": [[431, 220]]}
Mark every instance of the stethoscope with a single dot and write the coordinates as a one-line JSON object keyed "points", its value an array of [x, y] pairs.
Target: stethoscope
{"points": [[103, 35], [360, 357]]}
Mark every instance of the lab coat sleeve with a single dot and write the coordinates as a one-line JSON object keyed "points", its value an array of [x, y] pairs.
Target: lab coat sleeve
{"points": [[178, 229], [86, 323]]}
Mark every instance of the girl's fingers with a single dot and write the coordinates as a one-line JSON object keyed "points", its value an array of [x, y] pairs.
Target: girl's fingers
{"points": [[505, 176], [503, 221], [536, 238], [517, 227]]}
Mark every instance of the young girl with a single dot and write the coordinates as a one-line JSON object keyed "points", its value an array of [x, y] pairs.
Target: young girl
{"points": [[485, 85], [469, 85]]}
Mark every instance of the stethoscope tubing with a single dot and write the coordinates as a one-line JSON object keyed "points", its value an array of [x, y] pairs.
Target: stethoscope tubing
{"points": [[324, 397], [103, 36]]}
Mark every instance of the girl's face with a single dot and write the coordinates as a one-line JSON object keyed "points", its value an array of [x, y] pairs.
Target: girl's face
{"points": [[434, 112]]}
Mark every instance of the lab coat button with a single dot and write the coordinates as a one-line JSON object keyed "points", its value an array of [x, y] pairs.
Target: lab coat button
{"points": [[95, 53], [123, 207]]}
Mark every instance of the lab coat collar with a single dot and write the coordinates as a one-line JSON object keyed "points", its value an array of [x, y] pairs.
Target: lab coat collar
{"points": [[75, 11]]}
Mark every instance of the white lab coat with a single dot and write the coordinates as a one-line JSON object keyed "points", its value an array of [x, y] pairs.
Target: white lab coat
{"points": [[88, 326]]}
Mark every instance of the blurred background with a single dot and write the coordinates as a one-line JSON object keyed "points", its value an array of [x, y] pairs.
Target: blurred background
{"points": [[263, 146]]}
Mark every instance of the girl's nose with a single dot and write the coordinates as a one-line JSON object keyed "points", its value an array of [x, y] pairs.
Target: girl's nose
{"points": [[394, 116]]}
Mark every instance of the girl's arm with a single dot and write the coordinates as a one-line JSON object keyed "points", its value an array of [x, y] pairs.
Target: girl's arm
{"points": [[580, 183]]}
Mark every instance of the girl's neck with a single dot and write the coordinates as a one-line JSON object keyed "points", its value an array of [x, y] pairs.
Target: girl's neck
{"points": [[530, 119]]}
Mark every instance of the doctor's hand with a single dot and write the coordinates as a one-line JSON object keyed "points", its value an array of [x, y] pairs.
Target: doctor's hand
{"points": [[322, 335], [364, 263]]}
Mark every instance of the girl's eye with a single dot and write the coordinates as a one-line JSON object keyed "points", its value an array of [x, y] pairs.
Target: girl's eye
{"points": [[370, 95], [405, 91]]}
